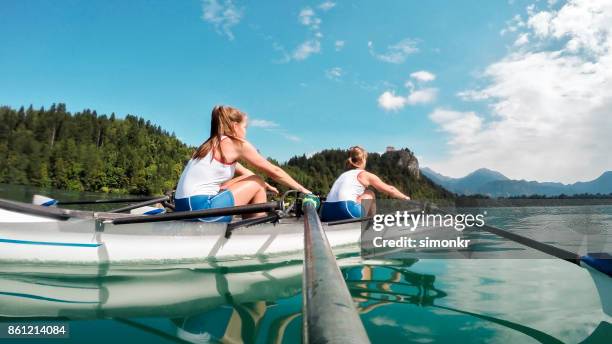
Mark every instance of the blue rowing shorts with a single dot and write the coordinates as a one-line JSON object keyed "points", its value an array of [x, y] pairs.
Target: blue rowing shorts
{"points": [[223, 199], [342, 210]]}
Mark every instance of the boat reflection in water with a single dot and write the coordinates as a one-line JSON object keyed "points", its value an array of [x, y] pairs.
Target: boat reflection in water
{"points": [[431, 301], [230, 304]]}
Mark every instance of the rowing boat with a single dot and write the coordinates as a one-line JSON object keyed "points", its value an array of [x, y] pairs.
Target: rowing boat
{"points": [[32, 233]]}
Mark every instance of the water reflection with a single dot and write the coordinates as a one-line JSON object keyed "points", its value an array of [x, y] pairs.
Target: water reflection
{"points": [[471, 301], [475, 301]]}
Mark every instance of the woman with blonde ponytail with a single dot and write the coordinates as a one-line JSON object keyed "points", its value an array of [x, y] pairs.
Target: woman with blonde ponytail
{"points": [[349, 190], [208, 180]]}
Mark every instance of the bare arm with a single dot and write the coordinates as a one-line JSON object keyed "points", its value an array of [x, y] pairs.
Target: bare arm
{"points": [[381, 186], [243, 171], [250, 154]]}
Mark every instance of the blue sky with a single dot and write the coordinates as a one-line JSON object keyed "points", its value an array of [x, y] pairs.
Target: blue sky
{"points": [[311, 75]]}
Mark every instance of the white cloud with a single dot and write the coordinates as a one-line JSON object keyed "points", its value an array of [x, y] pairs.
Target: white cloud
{"points": [[223, 16], [472, 95], [291, 137], [550, 102], [273, 127], [424, 96], [423, 76], [262, 123], [390, 102], [327, 5], [586, 24], [304, 50], [522, 40], [513, 25], [461, 125], [334, 73], [339, 45], [307, 17], [396, 53], [540, 23]]}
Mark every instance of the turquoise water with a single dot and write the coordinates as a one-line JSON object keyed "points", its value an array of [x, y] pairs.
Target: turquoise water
{"points": [[413, 301]]}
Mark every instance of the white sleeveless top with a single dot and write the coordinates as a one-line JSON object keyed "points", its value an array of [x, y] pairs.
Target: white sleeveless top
{"points": [[204, 176], [347, 187]]}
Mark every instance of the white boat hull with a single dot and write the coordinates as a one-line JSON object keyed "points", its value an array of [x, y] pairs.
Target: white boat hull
{"points": [[29, 238]]}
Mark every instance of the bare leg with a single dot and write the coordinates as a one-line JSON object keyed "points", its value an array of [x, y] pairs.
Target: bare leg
{"points": [[228, 183], [369, 203], [247, 190]]}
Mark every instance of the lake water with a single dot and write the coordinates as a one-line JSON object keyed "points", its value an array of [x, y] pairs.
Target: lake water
{"points": [[413, 301]]}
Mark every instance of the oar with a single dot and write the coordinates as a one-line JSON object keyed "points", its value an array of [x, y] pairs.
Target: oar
{"points": [[47, 201], [187, 215], [142, 207], [599, 265]]}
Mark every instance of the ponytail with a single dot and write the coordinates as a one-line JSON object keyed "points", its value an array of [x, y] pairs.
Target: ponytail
{"points": [[221, 124], [356, 157]]}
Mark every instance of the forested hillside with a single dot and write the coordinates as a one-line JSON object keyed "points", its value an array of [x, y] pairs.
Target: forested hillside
{"points": [[85, 151], [399, 168]]}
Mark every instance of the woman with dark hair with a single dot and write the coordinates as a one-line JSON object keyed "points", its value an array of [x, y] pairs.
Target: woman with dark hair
{"points": [[349, 190], [208, 180]]}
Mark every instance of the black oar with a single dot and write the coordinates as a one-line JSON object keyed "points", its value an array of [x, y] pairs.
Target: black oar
{"points": [[187, 215], [105, 201], [141, 204], [531, 243], [47, 201], [599, 265]]}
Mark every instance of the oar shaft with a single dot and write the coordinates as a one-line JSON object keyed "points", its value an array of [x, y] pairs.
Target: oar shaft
{"points": [[104, 201], [141, 204], [540, 246], [536, 245], [329, 315], [186, 215]]}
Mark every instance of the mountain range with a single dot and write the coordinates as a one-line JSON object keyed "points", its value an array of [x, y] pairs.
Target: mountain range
{"points": [[494, 184]]}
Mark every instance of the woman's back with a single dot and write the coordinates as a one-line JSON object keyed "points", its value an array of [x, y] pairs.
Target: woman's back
{"points": [[347, 187], [204, 176]]}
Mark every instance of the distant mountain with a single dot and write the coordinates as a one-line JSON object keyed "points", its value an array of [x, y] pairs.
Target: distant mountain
{"points": [[435, 176], [495, 184], [507, 188], [601, 184], [477, 179], [466, 185]]}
